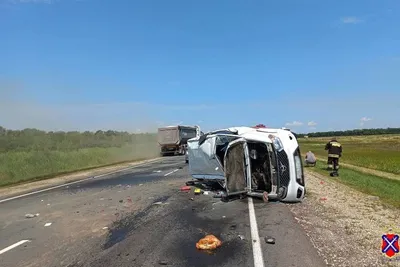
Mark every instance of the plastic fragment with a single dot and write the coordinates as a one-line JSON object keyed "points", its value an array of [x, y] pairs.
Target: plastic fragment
{"points": [[269, 240], [29, 215], [185, 188]]}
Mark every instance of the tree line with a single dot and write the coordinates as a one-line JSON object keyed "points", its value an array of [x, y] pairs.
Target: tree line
{"points": [[376, 131], [33, 139]]}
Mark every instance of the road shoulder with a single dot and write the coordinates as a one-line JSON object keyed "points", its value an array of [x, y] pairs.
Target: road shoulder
{"points": [[342, 222]]}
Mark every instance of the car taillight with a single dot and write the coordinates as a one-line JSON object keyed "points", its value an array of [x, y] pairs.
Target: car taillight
{"points": [[299, 167]]}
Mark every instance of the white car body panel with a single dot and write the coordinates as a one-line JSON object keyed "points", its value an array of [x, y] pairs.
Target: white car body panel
{"points": [[204, 163]]}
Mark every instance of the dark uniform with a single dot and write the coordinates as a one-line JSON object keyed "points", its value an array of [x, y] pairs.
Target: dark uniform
{"points": [[334, 153]]}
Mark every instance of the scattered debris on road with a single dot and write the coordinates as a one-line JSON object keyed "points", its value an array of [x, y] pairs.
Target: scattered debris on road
{"points": [[121, 201], [197, 191], [190, 183], [140, 184], [323, 198], [219, 194], [185, 188], [209, 242], [269, 240], [31, 215], [265, 196], [47, 224], [163, 262], [241, 237], [232, 227], [105, 228]]}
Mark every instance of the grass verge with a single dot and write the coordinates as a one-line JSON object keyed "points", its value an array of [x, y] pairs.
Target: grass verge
{"points": [[21, 167], [387, 190]]}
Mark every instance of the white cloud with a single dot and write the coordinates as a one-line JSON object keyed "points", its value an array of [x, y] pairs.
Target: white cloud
{"points": [[312, 124], [363, 120], [350, 20], [294, 123]]}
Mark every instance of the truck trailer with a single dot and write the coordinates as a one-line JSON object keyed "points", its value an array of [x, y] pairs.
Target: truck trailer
{"points": [[173, 139]]}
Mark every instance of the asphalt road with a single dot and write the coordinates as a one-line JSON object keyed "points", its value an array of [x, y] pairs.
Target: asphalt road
{"points": [[140, 218]]}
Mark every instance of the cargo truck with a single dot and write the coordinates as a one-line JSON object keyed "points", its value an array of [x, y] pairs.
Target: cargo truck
{"points": [[173, 139]]}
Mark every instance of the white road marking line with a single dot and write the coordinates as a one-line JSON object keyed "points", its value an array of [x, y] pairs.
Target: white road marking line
{"points": [[257, 253], [75, 182], [13, 246], [171, 172]]}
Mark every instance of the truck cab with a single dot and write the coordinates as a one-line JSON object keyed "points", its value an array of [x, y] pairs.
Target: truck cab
{"points": [[250, 161]]}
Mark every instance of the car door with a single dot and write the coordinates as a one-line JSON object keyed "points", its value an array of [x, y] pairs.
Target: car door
{"points": [[203, 163], [237, 167], [206, 155]]}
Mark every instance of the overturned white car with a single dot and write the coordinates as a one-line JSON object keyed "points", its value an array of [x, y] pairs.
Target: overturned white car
{"points": [[250, 161]]}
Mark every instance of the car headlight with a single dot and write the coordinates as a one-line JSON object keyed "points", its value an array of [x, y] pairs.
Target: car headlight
{"points": [[299, 167], [277, 142]]}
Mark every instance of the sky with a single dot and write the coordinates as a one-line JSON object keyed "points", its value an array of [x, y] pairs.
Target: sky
{"points": [[131, 65]]}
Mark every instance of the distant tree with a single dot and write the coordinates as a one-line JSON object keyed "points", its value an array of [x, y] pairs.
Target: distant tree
{"points": [[377, 131], [34, 139]]}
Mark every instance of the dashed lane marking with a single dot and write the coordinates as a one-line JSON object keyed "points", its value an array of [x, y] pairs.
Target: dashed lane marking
{"points": [[13, 246], [171, 172]]}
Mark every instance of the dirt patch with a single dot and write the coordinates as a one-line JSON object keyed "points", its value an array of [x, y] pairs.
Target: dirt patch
{"points": [[344, 225], [58, 180]]}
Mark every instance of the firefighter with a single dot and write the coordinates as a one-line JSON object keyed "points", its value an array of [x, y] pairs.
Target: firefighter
{"points": [[334, 153]]}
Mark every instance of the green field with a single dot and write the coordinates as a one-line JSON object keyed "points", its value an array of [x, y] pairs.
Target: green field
{"points": [[31, 154], [379, 152]]}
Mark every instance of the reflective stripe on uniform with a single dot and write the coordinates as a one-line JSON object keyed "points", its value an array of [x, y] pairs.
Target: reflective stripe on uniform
{"points": [[333, 156], [336, 144]]}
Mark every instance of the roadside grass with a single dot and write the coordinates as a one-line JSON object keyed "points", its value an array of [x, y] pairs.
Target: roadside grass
{"points": [[22, 166], [387, 190], [379, 152]]}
